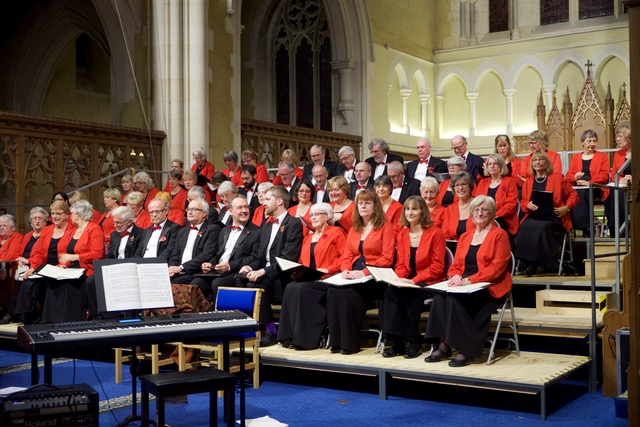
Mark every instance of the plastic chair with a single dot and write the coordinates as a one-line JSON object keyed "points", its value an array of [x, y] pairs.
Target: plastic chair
{"points": [[246, 300], [508, 305]]}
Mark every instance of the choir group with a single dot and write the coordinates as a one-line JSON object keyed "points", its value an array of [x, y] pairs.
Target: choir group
{"points": [[227, 228]]}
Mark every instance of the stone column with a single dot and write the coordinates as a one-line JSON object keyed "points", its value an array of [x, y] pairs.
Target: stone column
{"points": [[424, 110], [472, 96], [405, 93], [508, 93]]}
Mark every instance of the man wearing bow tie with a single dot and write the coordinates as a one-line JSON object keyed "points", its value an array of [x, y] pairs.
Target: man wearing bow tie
{"points": [[226, 191], [158, 240], [238, 245], [426, 163], [363, 179], [402, 188], [317, 155], [348, 163], [249, 187], [380, 157], [460, 147], [280, 237], [286, 172], [196, 243], [125, 243], [320, 176]]}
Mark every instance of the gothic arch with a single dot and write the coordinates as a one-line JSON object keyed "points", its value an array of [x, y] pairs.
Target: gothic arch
{"points": [[560, 61], [604, 55], [418, 74], [485, 68], [449, 73], [351, 49], [398, 68], [523, 64]]}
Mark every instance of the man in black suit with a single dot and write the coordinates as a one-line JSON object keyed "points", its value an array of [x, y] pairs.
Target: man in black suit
{"points": [[250, 186], [348, 162], [280, 237], [402, 188], [196, 243], [426, 163], [159, 239], [238, 245], [316, 153], [363, 179], [286, 172], [125, 242], [320, 175], [226, 191], [380, 157], [460, 148]]}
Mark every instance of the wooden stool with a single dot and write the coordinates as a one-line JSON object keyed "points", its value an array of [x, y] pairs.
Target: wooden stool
{"points": [[169, 384]]}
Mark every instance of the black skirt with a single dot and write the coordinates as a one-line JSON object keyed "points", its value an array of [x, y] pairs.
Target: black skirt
{"points": [[538, 242], [304, 314]]}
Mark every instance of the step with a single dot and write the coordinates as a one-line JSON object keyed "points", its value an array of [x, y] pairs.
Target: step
{"points": [[572, 302], [605, 268]]}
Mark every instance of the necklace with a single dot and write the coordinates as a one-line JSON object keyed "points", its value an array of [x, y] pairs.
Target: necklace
{"points": [[464, 206], [540, 181], [415, 235]]}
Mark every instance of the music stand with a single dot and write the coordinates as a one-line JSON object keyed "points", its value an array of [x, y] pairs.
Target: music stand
{"points": [[109, 292]]}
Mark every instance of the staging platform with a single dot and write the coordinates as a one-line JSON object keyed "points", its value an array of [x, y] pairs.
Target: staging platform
{"points": [[531, 373]]}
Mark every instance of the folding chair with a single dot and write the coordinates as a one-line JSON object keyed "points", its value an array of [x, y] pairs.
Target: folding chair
{"points": [[508, 304]]}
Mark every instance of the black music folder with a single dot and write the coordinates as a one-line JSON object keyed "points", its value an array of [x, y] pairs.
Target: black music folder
{"points": [[544, 201]]}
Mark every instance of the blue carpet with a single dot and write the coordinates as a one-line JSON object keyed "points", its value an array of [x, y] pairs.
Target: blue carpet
{"points": [[307, 406]]}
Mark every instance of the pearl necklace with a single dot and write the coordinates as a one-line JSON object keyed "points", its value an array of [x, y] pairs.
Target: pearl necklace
{"points": [[540, 181]]}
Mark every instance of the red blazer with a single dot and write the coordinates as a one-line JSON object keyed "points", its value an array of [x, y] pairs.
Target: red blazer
{"points": [[262, 175], [179, 201], [444, 186], [525, 169], [327, 251], [12, 248], [493, 260], [236, 178], [108, 227], [514, 172], [258, 215], [346, 221], [599, 168], [123, 201], [143, 221], [298, 171], [150, 196], [41, 248], [450, 220], [563, 195], [393, 215], [207, 170], [506, 200], [305, 230], [176, 215], [379, 248], [619, 157], [429, 256], [90, 247], [437, 214]]}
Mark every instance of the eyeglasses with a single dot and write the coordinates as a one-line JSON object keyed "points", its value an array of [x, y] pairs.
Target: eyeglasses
{"points": [[460, 185], [459, 147], [315, 214], [194, 210], [116, 223], [532, 142]]}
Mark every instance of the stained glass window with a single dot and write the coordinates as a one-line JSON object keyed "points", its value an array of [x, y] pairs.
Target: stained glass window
{"points": [[595, 8], [554, 11], [498, 15]]}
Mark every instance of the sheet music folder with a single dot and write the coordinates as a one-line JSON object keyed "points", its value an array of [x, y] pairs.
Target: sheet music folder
{"points": [[544, 201], [132, 284]]}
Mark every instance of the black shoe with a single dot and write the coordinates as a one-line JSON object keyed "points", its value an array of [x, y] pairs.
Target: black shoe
{"points": [[268, 339], [529, 270], [286, 343], [391, 352], [345, 351], [414, 350], [335, 349], [458, 362], [437, 355]]}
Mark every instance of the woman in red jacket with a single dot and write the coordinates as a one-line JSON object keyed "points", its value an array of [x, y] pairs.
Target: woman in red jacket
{"points": [[304, 304], [623, 140], [392, 209], [461, 320], [503, 190], [10, 239], [52, 241], [64, 300], [539, 141], [371, 241], [456, 218], [420, 261], [590, 167], [540, 235]]}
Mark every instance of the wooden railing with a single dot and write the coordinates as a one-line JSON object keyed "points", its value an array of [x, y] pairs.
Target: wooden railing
{"points": [[269, 140], [40, 156]]}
